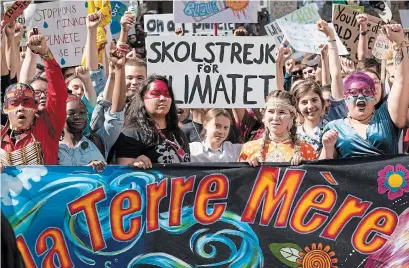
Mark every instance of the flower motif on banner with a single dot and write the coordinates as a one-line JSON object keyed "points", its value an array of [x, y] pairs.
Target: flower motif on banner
{"points": [[394, 180], [317, 257]]}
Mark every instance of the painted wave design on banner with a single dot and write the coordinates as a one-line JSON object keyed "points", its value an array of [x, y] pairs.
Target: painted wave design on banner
{"points": [[249, 253]]}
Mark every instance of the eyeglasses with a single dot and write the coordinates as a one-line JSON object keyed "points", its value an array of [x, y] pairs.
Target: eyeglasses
{"points": [[367, 92], [297, 73], [38, 92], [308, 72]]}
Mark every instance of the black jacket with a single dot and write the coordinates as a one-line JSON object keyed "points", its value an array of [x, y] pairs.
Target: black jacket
{"points": [[10, 255]]}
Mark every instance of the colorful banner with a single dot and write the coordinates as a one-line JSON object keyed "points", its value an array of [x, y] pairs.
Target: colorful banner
{"points": [[218, 71], [215, 11], [338, 213]]}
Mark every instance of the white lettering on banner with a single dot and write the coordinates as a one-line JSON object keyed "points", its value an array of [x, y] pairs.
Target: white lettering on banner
{"points": [[214, 72], [64, 25], [163, 24], [347, 28], [307, 38]]}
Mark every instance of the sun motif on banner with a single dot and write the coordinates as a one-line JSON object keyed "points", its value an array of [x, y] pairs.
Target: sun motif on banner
{"points": [[237, 6], [394, 180], [317, 257]]}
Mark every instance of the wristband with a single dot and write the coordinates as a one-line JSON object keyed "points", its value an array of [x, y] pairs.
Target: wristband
{"points": [[334, 40], [364, 33], [48, 57]]}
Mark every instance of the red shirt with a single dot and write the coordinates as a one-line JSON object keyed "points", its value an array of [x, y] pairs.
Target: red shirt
{"points": [[49, 126]]}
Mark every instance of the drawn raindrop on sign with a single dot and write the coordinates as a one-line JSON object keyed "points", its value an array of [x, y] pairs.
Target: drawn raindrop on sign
{"points": [[62, 61], [86, 4], [45, 25]]}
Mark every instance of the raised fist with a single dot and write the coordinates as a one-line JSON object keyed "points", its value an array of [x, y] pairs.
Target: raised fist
{"points": [[82, 73], [38, 44], [93, 20], [323, 27], [394, 33], [127, 21], [179, 32], [362, 19]]}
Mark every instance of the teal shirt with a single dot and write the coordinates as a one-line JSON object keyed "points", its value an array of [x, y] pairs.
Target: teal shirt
{"points": [[382, 136]]}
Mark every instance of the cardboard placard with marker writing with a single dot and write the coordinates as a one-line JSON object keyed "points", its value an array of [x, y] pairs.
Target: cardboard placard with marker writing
{"points": [[64, 25], [347, 28]]}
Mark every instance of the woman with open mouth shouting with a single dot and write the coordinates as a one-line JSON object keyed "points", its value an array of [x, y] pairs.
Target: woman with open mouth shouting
{"points": [[279, 143], [151, 133], [27, 139], [367, 131]]}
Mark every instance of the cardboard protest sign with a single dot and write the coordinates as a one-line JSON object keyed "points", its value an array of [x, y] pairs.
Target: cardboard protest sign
{"points": [[279, 9], [192, 11], [20, 19], [404, 15], [347, 28], [214, 72], [307, 38], [382, 47], [15, 10], [163, 24], [64, 25]]}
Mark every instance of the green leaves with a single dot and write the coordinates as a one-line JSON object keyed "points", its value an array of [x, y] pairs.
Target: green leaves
{"points": [[287, 253]]}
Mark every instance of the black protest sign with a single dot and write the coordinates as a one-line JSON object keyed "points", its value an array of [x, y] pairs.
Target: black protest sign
{"points": [[224, 72]]}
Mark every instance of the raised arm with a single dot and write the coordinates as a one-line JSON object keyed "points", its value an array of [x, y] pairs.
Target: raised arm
{"points": [[325, 75], [4, 68], [89, 92], [90, 49], [363, 52], [119, 93], [398, 100], [13, 33], [28, 68], [337, 87], [57, 91]]}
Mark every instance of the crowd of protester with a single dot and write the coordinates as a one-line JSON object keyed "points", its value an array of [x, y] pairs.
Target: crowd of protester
{"points": [[324, 106]]}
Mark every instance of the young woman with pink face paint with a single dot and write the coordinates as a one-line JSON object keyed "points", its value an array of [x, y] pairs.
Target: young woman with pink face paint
{"points": [[151, 133]]}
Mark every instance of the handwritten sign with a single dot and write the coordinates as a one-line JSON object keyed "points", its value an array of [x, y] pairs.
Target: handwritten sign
{"points": [[279, 9], [381, 48], [214, 72], [307, 38], [63, 24], [15, 10], [307, 14], [20, 19], [273, 29], [163, 24], [347, 28], [215, 11]]}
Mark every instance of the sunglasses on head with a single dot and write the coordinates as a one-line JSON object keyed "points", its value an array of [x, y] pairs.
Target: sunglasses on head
{"points": [[367, 92]]}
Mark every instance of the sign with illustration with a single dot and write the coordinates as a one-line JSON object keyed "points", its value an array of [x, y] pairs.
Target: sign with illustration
{"points": [[216, 11], [312, 215]]}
